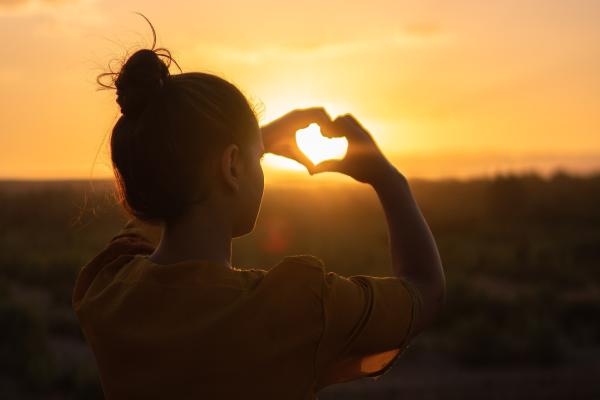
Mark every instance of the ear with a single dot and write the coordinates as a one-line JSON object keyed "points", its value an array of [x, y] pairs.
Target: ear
{"points": [[231, 166]]}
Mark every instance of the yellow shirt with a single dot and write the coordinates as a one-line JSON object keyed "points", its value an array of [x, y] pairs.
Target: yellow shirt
{"points": [[200, 330]]}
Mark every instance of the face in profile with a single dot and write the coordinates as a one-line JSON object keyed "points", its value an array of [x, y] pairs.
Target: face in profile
{"points": [[251, 188]]}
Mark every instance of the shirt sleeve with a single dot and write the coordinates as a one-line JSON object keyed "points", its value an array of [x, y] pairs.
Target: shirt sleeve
{"points": [[137, 229], [367, 322], [136, 237]]}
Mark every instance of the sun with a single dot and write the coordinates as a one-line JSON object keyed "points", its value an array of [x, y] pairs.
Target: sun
{"points": [[318, 147]]}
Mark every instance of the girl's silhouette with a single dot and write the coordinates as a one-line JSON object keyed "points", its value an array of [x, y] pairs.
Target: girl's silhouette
{"points": [[161, 306]]}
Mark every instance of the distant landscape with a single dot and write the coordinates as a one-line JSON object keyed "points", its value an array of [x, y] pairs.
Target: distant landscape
{"points": [[521, 253]]}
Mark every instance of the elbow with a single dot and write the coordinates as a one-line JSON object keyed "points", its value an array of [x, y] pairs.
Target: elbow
{"points": [[438, 295], [433, 303], [432, 300], [439, 300]]}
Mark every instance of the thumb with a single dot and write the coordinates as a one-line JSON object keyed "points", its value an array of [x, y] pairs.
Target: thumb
{"points": [[300, 157], [327, 166]]}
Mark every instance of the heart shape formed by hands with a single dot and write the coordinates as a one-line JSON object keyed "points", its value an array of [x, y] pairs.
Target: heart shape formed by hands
{"points": [[317, 147]]}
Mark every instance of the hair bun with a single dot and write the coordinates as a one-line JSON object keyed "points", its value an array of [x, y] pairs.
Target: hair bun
{"points": [[140, 79]]}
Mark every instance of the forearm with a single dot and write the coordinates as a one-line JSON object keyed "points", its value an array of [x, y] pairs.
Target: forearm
{"points": [[414, 253], [267, 137]]}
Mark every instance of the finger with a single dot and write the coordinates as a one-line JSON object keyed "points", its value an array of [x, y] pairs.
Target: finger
{"points": [[347, 119], [332, 129], [339, 127], [300, 157], [348, 125], [307, 116], [327, 166], [353, 121], [323, 119]]}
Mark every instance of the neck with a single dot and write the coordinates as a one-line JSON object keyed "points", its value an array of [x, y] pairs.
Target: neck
{"points": [[203, 233]]}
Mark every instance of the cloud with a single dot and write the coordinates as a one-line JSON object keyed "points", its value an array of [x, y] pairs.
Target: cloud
{"points": [[35, 7], [11, 4], [20, 5], [71, 17], [10, 75], [411, 35], [423, 29]]}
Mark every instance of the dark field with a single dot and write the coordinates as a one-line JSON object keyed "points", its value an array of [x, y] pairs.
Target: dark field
{"points": [[522, 260]]}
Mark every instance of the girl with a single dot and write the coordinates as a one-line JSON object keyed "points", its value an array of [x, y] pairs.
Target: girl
{"points": [[161, 306]]}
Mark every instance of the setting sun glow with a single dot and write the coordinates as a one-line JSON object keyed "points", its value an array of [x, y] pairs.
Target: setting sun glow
{"points": [[318, 147], [445, 90]]}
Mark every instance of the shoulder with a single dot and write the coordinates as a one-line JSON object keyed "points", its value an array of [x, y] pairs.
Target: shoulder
{"points": [[301, 266], [298, 276], [307, 260], [130, 241], [140, 231]]}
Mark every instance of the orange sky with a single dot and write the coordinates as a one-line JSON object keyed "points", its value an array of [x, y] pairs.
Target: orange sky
{"points": [[446, 88]]}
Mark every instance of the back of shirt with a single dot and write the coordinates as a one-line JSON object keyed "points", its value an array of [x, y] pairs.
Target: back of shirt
{"points": [[197, 328]]}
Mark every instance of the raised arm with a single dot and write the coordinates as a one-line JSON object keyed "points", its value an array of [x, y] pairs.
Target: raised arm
{"points": [[414, 253]]}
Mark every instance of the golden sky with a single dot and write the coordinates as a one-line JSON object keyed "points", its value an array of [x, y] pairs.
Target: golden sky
{"points": [[446, 87]]}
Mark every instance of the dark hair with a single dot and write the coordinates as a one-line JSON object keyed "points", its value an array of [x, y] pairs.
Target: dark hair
{"points": [[172, 131]]}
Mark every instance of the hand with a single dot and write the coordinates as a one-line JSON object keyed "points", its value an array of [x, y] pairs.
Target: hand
{"points": [[279, 136], [364, 161]]}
